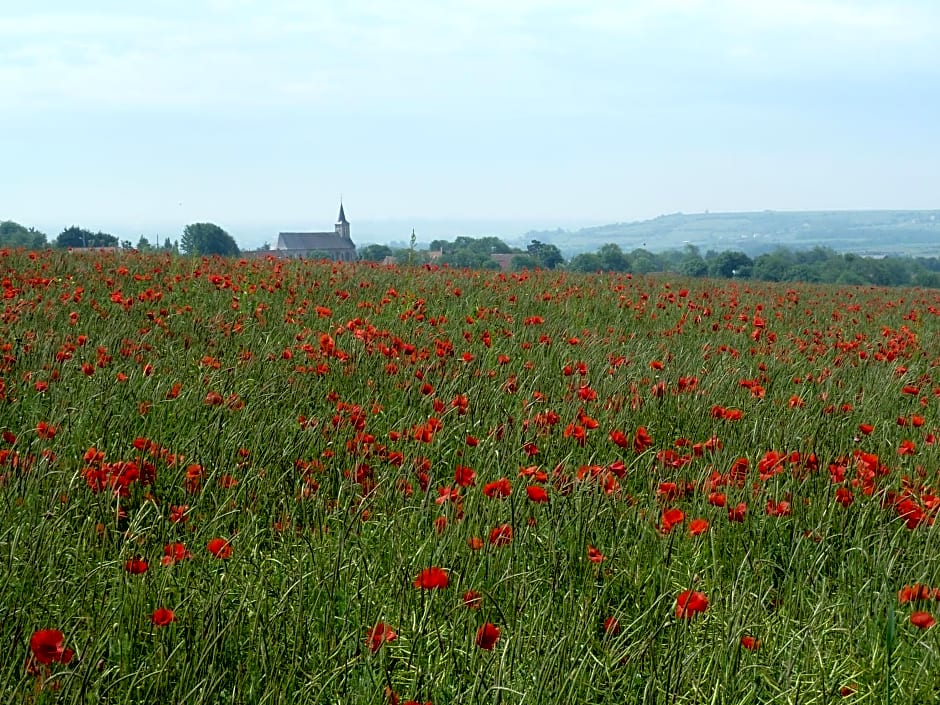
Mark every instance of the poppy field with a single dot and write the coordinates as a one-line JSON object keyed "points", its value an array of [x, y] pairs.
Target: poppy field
{"points": [[270, 481]]}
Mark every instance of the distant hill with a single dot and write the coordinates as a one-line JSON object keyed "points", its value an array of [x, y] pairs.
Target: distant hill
{"points": [[873, 233]]}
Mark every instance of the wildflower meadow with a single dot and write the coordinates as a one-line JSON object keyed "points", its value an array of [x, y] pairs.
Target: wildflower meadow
{"points": [[285, 482]]}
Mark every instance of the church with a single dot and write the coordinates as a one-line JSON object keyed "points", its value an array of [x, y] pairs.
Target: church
{"points": [[335, 245]]}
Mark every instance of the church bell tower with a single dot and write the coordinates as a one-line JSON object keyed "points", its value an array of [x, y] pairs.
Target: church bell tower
{"points": [[342, 225]]}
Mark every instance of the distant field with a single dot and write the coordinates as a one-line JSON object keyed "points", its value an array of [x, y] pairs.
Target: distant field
{"points": [[268, 481]]}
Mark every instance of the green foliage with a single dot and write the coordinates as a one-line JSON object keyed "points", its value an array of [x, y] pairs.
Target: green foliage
{"points": [[545, 255], [374, 253], [728, 264], [520, 262], [816, 265], [207, 239], [76, 237], [471, 253], [15, 235], [585, 262]]}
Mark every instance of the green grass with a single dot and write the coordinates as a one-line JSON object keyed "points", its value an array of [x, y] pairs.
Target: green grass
{"points": [[331, 520]]}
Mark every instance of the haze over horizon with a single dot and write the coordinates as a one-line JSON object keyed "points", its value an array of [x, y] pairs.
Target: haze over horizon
{"points": [[545, 113]]}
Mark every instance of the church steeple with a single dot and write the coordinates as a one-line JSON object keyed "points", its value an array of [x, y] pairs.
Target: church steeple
{"points": [[342, 225]]}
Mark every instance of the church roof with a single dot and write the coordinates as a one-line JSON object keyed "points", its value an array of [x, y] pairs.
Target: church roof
{"points": [[342, 214], [313, 241]]}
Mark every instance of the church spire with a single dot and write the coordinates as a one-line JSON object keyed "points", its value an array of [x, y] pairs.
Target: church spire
{"points": [[342, 225]]}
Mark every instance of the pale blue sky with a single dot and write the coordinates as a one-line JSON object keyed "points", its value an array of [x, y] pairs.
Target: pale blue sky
{"points": [[141, 117]]}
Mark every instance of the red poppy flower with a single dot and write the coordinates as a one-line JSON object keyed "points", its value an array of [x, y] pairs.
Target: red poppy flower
{"points": [[378, 635], [923, 620], [777, 509], [611, 626], [670, 518], [642, 440], [472, 600], [136, 565], [917, 592], [47, 647], [750, 643], [594, 555], [220, 548], [689, 603], [178, 513], [737, 513], [498, 489], [487, 636], [844, 496], [620, 438], [475, 543], [432, 578], [163, 617], [464, 476], [698, 526], [501, 535], [173, 553], [536, 493]]}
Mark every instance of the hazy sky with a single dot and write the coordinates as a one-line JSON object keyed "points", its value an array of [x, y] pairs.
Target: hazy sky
{"points": [[142, 117]]}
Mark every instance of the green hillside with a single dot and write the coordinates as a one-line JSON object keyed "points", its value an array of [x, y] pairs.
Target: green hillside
{"points": [[914, 233]]}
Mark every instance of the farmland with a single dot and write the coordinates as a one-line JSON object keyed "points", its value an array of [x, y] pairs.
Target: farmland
{"points": [[266, 481]]}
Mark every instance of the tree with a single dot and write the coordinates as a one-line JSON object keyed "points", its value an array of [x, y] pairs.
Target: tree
{"points": [[374, 253], [546, 256], [520, 262], [143, 244], [643, 261], [773, 266], [15, 235], [585, 262], [613, 259], [729, 264], [207, 239], [691, 263], [76, 237]]}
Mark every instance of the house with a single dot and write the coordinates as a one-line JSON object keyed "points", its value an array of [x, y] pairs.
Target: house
{"points": [[335, 245]]}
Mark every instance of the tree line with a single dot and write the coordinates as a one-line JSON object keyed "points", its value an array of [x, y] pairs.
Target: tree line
{"points": [[197, 238], [819, 264], [816, 265], [470, 253]]}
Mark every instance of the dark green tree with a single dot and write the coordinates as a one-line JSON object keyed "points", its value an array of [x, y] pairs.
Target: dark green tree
{"points": [[773, 266], [75, 237], [207, 239], [546, 256], [15, 235], [643, 261], [585, 262], [692, 264], [613, 259], [729, 264], [374, 253], [520, 262]]}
